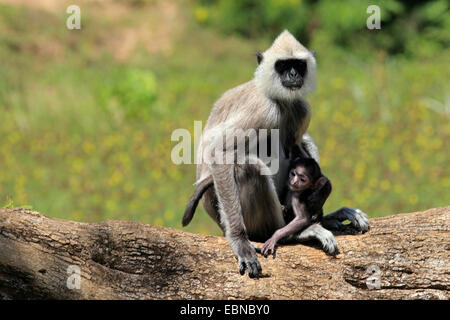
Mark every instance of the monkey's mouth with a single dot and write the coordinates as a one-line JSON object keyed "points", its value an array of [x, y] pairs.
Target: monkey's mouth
{"points": [[292, 85]]}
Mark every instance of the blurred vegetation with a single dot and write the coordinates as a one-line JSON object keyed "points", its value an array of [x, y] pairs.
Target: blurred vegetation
{"points": [[86, 115], [409, 27]]}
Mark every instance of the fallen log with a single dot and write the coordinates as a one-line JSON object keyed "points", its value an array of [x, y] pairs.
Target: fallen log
{"points": [[404, 256]]}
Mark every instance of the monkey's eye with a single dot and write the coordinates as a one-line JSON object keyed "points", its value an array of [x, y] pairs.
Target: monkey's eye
{"points": [[301, 67], [280, 66], [292, 174]]}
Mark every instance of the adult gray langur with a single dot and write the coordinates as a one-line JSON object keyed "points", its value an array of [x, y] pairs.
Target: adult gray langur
{"points": [[238, 197]]}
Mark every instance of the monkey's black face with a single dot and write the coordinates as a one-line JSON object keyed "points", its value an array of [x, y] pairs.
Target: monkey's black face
{"points": [[298, 179], [292, 72]]}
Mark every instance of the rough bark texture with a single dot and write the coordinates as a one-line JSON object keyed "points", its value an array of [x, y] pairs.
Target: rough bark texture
{"points": [[127, 260]]}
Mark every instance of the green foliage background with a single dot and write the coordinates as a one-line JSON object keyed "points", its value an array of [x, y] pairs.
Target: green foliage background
{"points": [[85, 128]]}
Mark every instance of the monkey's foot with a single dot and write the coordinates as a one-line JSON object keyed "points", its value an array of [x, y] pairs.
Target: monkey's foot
{"points": [[246, 256], [324, 236], [252, 265], [358, 219]]}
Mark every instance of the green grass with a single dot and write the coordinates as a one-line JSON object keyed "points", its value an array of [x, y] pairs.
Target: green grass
{"points": [[86, 136]]}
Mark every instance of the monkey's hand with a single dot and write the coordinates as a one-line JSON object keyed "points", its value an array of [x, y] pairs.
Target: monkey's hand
{"points": [[269, 247], [245, 253]]}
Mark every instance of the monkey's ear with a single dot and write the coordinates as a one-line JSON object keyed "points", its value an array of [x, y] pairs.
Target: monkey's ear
{"points": [[321, 182], [259, 57]]}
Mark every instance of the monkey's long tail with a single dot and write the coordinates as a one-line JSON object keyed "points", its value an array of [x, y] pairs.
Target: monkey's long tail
{"points": [[194, 200]]}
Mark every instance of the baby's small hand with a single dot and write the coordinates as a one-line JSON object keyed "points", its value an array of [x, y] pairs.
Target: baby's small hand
{"points": [[269, 248]]}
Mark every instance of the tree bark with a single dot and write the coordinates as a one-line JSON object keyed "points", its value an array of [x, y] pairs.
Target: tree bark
{"points": [[407, 253]]}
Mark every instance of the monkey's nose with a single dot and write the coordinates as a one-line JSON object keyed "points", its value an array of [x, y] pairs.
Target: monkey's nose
{"points": [[293, 72]]}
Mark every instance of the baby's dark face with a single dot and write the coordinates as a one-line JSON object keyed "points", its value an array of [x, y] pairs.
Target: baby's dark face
{"points": [[299, 179]]}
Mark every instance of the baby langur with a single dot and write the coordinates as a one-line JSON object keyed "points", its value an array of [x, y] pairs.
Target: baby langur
{"points": [[307, 190]]}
